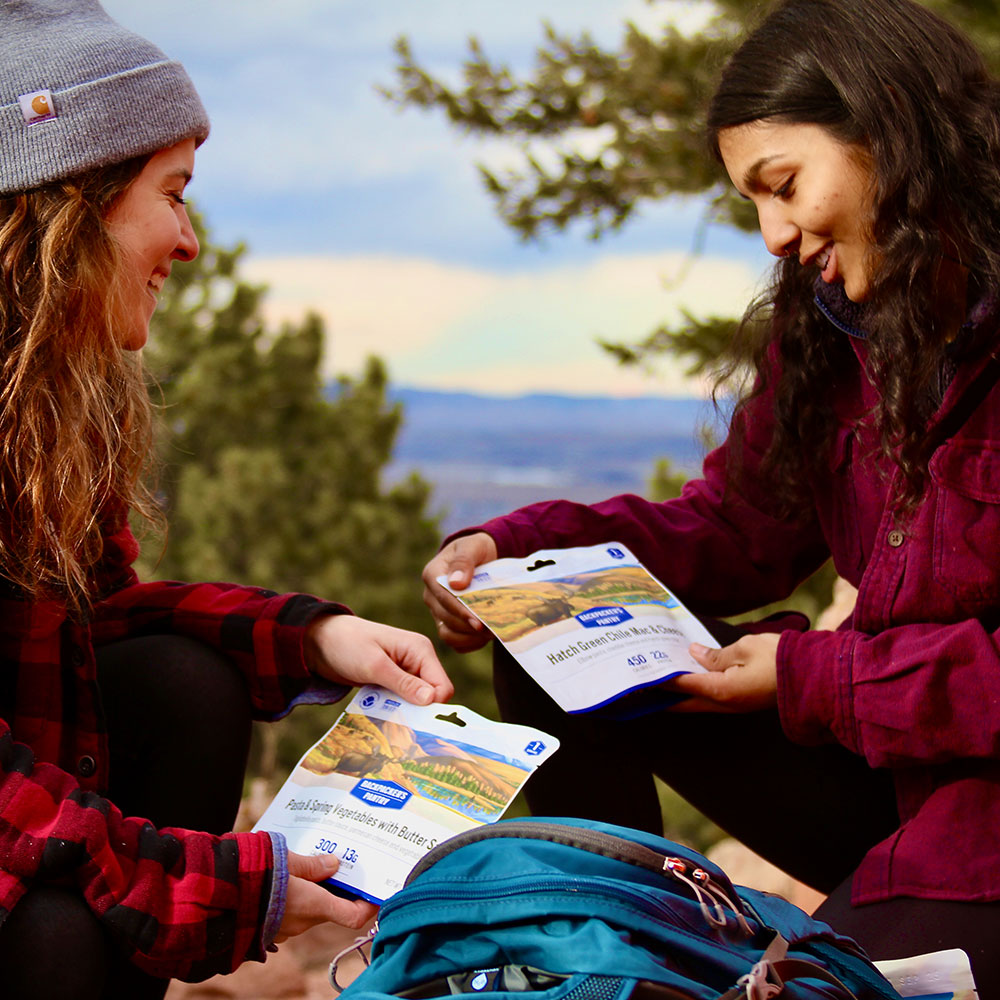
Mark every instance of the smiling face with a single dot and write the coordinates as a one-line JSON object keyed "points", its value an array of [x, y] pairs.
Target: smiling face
{"points": [[813, 196], [151, 225]]}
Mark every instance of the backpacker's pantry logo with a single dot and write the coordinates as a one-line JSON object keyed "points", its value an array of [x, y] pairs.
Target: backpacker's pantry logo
{"points": [[386, 794]]}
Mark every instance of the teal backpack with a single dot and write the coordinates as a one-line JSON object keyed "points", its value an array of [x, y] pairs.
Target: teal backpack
{"points": [[575, 910]]}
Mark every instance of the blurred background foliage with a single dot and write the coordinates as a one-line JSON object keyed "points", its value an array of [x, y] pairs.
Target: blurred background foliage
{"points": [[270, 476]]}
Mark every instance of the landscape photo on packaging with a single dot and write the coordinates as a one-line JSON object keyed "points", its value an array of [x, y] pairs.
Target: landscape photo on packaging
{"points": [[523, 615], [465, 779]]}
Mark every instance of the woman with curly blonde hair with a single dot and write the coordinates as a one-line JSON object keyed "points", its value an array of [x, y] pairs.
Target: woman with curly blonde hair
{"points": [[116, 868]]}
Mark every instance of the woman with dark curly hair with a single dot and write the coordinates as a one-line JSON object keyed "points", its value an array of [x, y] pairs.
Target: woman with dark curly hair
{"points": [[865, 760], [126, 706]]}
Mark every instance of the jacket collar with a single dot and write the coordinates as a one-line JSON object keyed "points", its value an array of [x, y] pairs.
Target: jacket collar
{"points": [[845, 315], [982, 316]]}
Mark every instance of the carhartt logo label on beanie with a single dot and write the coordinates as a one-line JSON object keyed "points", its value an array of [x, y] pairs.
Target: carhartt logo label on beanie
{"points": [[37, 107]]}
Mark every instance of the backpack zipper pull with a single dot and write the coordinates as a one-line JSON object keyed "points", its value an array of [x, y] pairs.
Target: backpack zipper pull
{"points": [[356, 945], [719, 893], [706, 891], [761, 982], [679, 870]]}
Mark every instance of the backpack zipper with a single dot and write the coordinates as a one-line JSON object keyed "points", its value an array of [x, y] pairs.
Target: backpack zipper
{"points": [[710, 894], [635, 898]]}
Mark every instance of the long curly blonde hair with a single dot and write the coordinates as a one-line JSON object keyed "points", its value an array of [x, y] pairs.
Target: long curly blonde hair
{"points": [[75, 415]]}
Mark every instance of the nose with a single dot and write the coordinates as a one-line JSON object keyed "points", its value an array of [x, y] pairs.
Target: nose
{"points": [[187, 245], [781, 235]]}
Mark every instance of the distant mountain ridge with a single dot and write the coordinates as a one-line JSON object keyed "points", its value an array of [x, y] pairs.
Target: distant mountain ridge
{"points": [[676, 413], [486, 455], [549, 430]]}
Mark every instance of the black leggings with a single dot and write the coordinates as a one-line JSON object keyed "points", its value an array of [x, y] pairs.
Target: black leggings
{"points": [[812, 811], [171, 704]]}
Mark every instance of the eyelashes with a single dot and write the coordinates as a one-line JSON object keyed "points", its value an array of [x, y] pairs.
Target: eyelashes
{"points": [[785, 191]]}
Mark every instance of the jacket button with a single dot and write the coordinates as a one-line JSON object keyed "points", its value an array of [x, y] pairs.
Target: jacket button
{"points": [[896, 538], [86, 766]]}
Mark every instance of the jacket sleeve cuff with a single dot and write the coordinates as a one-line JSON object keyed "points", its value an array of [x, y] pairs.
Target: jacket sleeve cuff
{"points": [[290, 637], [814, 687], [515, 534], [496, 529], [279, 892], [319, 692], [290, 643]]}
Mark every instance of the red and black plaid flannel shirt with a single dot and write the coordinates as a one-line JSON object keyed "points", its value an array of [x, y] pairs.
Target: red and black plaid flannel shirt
{"points": [[187, 904]]}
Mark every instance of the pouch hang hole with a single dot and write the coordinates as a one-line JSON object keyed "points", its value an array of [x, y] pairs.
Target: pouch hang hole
{"points": [[453, 718], [541, 564]]}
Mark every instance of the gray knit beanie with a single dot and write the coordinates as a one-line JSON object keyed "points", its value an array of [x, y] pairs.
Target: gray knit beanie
{"points": [[78, 91]]}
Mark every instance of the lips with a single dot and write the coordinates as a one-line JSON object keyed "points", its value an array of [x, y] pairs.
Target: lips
{"points": [[826, 261]]}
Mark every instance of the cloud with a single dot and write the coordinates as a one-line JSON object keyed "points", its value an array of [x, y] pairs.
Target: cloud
{"points": [[290, 87], [441, 326], [306, 161], [394, 307]]}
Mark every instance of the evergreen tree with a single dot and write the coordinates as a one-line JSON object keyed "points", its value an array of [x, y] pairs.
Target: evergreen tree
{"points": [[272, 477], [603, 131]]}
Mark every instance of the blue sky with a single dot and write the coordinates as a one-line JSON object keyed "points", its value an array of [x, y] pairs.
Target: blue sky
{"points": [[376, 218]]}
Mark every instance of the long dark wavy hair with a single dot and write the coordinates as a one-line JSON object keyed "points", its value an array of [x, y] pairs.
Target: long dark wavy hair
{"points": [[914, 94]]}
